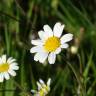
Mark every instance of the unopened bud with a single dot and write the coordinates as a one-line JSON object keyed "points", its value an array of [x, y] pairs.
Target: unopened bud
{"points": [[74, 49]]}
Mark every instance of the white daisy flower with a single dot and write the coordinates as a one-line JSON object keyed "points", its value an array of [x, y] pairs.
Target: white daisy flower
{"points": [[50, 43], [43, 88], [7, 67]]}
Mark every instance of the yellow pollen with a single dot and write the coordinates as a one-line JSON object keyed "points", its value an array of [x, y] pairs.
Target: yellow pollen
{"points": [[51, 44], [4, 67]]}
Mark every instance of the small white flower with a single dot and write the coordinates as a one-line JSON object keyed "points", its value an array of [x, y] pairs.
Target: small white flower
{"points": [[50, 43], [43, 88], [7, 67]]}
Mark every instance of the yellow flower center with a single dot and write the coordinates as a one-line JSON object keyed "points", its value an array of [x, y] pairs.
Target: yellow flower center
{"points": [[44, 90], [41, 93], [51, 44], [4, 67]]}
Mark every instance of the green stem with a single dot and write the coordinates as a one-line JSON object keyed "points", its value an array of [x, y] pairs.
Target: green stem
{"points": [[7, 39], [21, 88], [77, 77]]}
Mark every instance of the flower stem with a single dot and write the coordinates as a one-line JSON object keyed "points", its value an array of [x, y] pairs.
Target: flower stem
{"points": [[22, 89], [82, 91]]}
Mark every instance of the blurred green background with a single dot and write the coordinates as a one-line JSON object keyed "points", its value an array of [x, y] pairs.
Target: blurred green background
{"points": [[20, 21]]}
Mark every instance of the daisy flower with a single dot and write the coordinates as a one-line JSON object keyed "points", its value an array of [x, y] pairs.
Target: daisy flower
{"points": [[43, 88], [50, 43], [7, 67]]}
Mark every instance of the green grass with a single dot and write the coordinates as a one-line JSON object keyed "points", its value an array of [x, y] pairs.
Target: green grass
{"points": [[72, 74]]}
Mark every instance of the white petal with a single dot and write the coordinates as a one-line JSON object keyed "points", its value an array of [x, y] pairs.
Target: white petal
{"points": [[36, 56], [14, 64], [48, 31], [52, 58], [11, 60], [58, 29], [36, 49], [6, 75], [41, 81], [58, 50], [43, 57], [14, 67], [66, 38], [41, 35], [39, 85], [1, 77], [4, 58], [64, 45], [33, 91], [11, 72], [48, 82], [36, 42]]}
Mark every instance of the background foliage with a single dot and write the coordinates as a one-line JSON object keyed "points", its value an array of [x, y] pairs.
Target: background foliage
{"points": [[20, 20]]}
